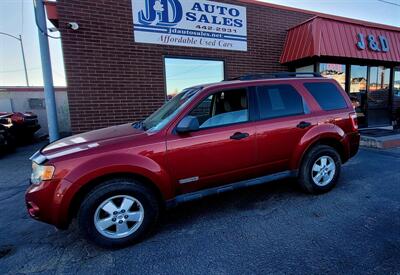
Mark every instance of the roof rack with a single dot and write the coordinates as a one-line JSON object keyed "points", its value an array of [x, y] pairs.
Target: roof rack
{"points": [[275, 75]]}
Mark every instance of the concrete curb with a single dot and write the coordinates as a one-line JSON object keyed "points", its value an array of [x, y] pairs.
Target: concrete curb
{"points": [[386, 142]]}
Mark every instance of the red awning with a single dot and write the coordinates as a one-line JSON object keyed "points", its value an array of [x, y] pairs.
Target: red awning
{"points": [[330, 37]]}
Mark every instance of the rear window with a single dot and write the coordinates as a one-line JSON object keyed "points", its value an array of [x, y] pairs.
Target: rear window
{"points": [[327, 95], [279, 101]]}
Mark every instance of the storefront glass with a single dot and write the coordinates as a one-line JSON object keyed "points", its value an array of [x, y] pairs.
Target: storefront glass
{"points": [[369, 90], [181, 73], [396, 93], [358, 92], [305, 69], [378, 96], [334, 71]]}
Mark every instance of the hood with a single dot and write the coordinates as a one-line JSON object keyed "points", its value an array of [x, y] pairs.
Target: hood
{"points": [[89, 140]]}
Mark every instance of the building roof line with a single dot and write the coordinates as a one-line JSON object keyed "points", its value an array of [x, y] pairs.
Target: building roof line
{"points": [[351, 21], [324, 15]]}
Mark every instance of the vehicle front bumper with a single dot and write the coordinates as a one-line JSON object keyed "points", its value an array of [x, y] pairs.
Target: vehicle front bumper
{"points": [[28, 128], [44, 202], [3, 140]]}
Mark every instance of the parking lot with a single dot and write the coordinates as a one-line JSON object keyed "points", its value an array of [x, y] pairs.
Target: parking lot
{"points": [[273, 228]]}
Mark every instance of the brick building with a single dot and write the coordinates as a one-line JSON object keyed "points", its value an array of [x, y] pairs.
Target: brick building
{"points": [[118, 72]]}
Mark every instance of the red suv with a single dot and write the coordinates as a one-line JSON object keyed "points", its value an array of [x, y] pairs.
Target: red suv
{"points": [[206, 140]]}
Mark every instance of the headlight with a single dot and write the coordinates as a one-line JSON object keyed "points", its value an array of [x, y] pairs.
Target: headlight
{"points": [[6, 122], [41, 173]]}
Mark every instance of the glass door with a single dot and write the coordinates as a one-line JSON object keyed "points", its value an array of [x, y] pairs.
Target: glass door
{"points": [[396, 95], [378, 96], [358, 92]]}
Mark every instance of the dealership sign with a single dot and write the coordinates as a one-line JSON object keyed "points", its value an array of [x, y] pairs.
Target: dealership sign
{"points": [[190, 23], [373, 44]]}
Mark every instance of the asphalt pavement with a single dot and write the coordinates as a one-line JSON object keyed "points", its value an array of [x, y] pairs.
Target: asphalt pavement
{"points": [[274, 228]]}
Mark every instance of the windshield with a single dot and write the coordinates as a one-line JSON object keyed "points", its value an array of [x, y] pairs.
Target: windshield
{"points": [[169, 110]]}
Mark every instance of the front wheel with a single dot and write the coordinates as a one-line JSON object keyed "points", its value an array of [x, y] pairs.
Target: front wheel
{"points": [[320, 169], [118, 213]]}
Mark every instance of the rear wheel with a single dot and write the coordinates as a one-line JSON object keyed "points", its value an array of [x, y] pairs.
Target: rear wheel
{"points": [[320, 169], [118, 213]]}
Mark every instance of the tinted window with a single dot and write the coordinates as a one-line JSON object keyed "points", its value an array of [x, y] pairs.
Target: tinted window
{"points": [[222, 108], [327, 95], [279, 101]]}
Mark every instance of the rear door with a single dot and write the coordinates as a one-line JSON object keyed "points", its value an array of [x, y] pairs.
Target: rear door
{"points": [[284, 117]]}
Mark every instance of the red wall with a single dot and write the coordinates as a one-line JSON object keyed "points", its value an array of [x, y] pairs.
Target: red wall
{"points": [[113, 80]]}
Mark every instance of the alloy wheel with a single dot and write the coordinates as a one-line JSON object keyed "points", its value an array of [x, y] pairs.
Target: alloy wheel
{"points": [[119, 216], [323, 171]]}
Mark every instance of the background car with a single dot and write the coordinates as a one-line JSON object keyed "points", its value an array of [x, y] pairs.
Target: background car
{"points": [[24, 125], [7, 141]]}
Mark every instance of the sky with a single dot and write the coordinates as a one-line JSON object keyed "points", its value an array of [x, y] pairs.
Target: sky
{"points": [[17, 17]]}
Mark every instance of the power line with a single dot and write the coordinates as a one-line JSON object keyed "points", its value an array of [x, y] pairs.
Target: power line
{"points": [[19, 70], [22, 16], [388, 2]]}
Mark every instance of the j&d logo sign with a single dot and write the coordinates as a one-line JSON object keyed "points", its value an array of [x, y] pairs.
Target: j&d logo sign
{"points": [[158, 12], [203, 24], [379, 44]]}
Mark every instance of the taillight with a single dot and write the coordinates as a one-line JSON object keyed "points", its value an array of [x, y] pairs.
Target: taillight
{"points": [[18, 118], [354, 121]]}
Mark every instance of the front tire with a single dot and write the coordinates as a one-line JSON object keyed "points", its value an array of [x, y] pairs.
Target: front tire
{"points": [[320, 169], [118, 213]]}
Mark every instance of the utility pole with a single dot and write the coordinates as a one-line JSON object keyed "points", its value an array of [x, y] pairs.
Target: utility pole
{"points": [[22, 51], [23, 59], [49, 95]]}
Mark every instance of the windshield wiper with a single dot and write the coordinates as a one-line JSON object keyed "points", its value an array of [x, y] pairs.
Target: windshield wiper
{"points": [[139, 125]]}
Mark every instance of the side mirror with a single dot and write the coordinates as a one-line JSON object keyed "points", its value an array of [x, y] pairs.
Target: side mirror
{"points": [[188, 124]]}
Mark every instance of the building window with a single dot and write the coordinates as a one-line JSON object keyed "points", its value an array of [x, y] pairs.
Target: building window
{"points": [[396, 92], [305, 69], [379, 82], [334, 71], [396, 84], [181, 73], [358, 92], [378, 96]]}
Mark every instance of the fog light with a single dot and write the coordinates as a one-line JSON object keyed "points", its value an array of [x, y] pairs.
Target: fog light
{"points": [[33, 209]]}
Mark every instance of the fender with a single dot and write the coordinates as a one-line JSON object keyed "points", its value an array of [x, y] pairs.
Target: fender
{"points": [[110, 164], [122, 163], [316, 133]]}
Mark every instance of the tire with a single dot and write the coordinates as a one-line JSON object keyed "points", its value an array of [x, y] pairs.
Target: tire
{"points": [[8, 143], [11, 144], [317, 182], [139, 218]]}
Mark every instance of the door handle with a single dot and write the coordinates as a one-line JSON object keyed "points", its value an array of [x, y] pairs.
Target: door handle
{"points": [[303, 125], [239, 136]]}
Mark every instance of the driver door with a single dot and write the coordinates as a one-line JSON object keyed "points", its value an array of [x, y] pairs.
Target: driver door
{"points": [[223, 150]]}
